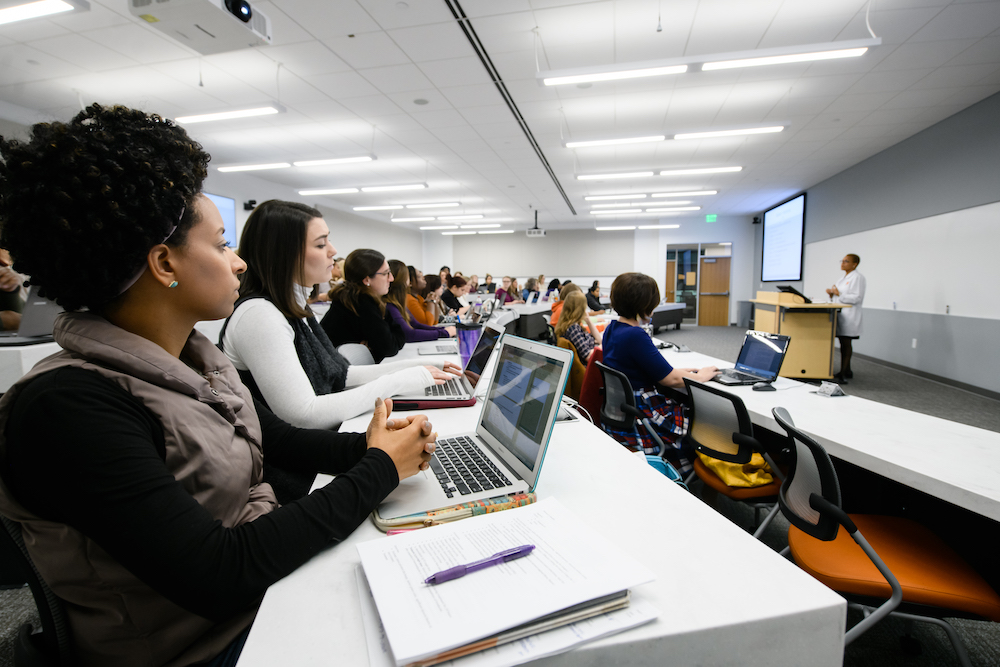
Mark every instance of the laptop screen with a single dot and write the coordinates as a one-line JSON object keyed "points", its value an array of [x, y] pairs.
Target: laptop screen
{"points": [[762, 354], [476, 363], [521, 401]]}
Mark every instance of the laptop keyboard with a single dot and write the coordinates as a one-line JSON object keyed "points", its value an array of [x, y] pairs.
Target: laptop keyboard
{"points": [[461, 468], [737, 375], [447, 349], [452, 387]]}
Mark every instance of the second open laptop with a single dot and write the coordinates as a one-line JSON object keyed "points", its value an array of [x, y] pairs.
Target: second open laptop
{"points": [[37, 320], [504, 455], [458, 391], [759, 361]]}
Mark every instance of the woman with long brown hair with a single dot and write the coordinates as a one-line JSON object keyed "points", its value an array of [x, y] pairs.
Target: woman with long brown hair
{"points": [[395, 304]]}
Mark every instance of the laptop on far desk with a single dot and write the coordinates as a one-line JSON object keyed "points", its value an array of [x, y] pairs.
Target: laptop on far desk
{"points": [[443, 346], [759, 361], [504, 455], [37, 320]]}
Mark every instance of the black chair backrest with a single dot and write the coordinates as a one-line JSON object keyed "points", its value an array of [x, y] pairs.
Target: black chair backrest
{"points": [[55, 638], [617, 392], [716, 420], [810, 472]]}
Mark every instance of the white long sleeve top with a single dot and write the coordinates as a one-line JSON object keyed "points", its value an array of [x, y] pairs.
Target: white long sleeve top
{"points": [[260, 339], [852, 291]]}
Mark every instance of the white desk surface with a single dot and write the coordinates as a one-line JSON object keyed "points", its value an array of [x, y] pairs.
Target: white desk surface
{"points": [[17, 360], [952, 461], [723, 596], [524, 310]]}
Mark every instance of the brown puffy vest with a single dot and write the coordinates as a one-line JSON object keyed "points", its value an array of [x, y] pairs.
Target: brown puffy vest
{"points": [[213, 448]]}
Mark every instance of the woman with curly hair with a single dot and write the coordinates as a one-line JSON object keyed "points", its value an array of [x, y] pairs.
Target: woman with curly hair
{"points": [[142, 504], [357, 313], [275, 342], [396, 301]]}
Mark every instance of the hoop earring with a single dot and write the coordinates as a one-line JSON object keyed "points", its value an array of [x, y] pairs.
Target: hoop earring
{"points": [[172, 284]]}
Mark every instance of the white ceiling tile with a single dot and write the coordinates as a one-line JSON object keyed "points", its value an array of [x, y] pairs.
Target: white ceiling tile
{"points": [[371, 105], [924, 55], [441, 118], [960, 21], [29, 31], [22, 63], [138, 42], [983, 51], [77, 48], [860, 102], [98, 16], [465, 71], [495, 113], [888, 117], [965, 75], [506, 32], [888, 81], [432, 100], [396, 78], [730, 25], [401, 14], [475, 95], [438, 41], [895, 26], [343, 85], [811, 22], [370, 49], [329, 19], [307, 58]]}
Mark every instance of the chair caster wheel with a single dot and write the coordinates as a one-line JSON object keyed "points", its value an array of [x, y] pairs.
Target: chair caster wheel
{"points": [[910, 645]]}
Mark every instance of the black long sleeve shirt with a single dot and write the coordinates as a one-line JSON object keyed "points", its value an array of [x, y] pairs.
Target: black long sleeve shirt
{"points": [[84, 452], [376, 330]]}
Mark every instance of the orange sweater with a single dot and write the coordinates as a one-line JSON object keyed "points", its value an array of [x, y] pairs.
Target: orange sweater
{"points": [[417, 309]]}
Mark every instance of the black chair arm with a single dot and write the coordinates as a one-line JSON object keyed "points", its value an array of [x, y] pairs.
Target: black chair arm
{"points": [[824, 506], [744, 440], [632, 411]]}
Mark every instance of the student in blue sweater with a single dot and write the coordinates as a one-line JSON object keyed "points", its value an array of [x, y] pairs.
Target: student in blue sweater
{"points": [[629, 349]]}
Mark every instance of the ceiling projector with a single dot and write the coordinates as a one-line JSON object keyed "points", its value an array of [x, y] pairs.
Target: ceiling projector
{"points": [[207, 26]]}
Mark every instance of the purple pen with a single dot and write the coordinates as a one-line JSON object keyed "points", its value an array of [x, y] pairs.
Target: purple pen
{"points": [[462, 570]]}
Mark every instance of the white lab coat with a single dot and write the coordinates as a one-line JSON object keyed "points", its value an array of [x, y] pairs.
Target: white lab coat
{"points": [[852, 291]]}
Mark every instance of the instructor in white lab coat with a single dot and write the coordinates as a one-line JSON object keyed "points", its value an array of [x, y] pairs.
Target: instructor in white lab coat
{"points": [[851, 290]]}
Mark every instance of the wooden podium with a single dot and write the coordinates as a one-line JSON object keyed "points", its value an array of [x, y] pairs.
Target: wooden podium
{"points": [[811, 326]]}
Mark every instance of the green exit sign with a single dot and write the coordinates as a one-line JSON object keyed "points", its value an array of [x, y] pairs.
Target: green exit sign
{"points": [[711, 218]]}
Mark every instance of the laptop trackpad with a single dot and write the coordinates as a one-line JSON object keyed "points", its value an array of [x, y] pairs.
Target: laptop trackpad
{"points": [[420, 490]]}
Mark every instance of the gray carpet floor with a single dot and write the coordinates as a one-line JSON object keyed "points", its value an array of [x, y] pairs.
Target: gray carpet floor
{"points": [[880, 646]]}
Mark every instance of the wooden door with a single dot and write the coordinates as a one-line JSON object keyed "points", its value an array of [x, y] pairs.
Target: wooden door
{"points": [[670, 282], [713, 292]]}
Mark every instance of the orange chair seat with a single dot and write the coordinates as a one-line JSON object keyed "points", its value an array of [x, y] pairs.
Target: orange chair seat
{"points": [[928, 570], [712, 480]]}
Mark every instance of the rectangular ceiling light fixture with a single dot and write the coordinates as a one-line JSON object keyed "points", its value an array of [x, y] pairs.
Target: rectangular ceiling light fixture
{"points": [[477, 216], [694, 193], [618, 204], [729, 133], [499, 231], [412, 219], [255, 167], [438, 227], [693, 64], [390, 188], [709, 170], [489, 226], [616, 229], [32, 10], [268, 110], [379, 208], [441, 205], [328, 191], [610, 197], [334, 160], [457, 233], [624, 211], [601, 177], [674, 209], [614, 142], [658, 226]]}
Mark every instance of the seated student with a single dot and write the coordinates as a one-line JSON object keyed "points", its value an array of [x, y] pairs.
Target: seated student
{"points": [[395, 304], [275, 342], [488, 286], [451, 297], [415, 299], [507, 293], [12, 294], [571, 326], [557, 307], [552, 291], [432, 291], [357, 313], [629, 349], [594, 298], [530, 287], [142, 504], [473, 284]]}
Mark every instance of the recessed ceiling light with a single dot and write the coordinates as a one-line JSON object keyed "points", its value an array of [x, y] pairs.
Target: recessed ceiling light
{"points": [[412, 219], [477, 216], [256, 167], [671, 210], [609, 197], [328, 191], [489, 226], [694, 193], [658, 226], [434, 205], [729, 133], [615, 229], [420, 101], [33, 10], [268, 110], [597, 177], [334, 160], [499, 231], [439, 227], [390, 188], [613, 142], [378, 208], [709, 170], [725, 244]]}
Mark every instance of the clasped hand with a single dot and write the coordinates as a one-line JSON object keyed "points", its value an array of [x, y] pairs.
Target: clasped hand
{"points": [[409, 441]]}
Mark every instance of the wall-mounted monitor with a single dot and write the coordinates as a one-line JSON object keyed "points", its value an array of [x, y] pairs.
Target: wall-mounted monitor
{"points": [[227, 207], [784, 234]]}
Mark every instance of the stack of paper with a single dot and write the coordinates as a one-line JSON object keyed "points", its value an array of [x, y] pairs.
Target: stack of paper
{"points": [[570, 566]]}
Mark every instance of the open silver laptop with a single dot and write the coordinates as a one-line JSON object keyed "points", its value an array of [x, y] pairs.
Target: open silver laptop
{"points": [[443, 346], [760, 359], [37, 320], [504, 455]]}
